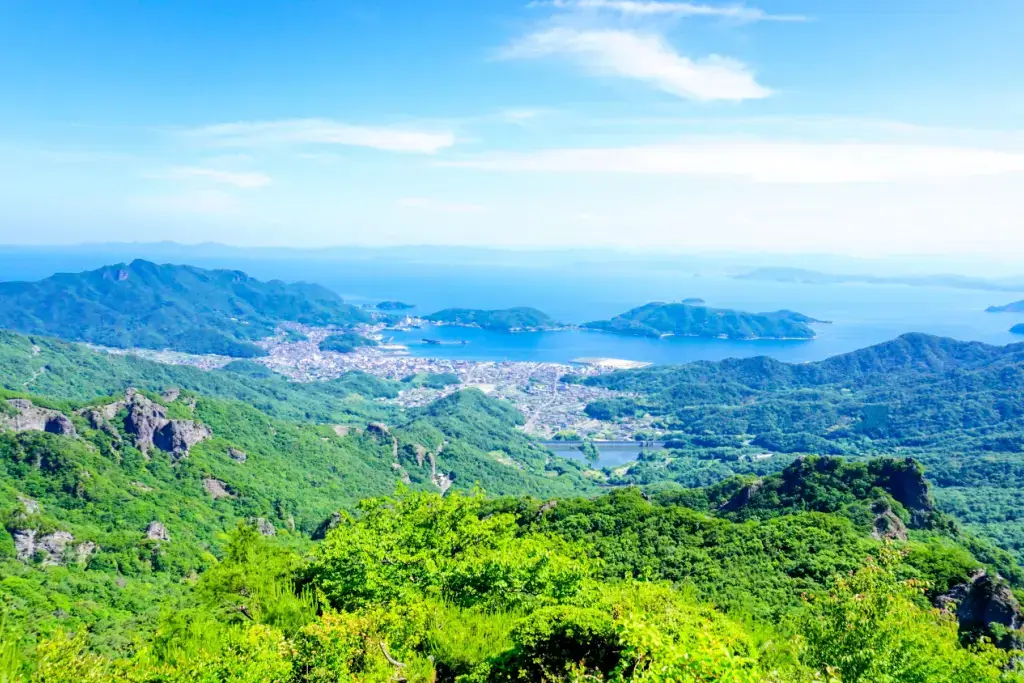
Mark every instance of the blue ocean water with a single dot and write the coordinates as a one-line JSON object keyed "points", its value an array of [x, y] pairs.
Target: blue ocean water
{"points": [[861, 314]]}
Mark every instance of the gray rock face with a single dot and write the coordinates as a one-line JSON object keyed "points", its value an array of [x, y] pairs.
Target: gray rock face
{"points": [[983, 601], [237, 455], [263, 525], [31, 417], [331, 522], [887, 524], [742, 497], [216, 488], [157, 532], [147, 422], [30, 505], [171, 395], [51, 548]]}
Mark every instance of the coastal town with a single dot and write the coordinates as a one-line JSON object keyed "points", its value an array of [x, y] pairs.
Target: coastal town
{"points": [[550, 407]]}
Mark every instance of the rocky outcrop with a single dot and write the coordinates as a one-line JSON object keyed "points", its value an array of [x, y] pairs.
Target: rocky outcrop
{"points": [[982, 602], [378, 429], [157, 532], [177, 437], [341, 430], [30, 417], [216, 488], [237, 455], [331, 522], [887, 524], [742, 497], [171, 395], [29, 505], [49, 549], [263, 526], [147, 421]]}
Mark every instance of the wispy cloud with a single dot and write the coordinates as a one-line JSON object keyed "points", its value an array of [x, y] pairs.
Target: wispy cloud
{"points": [[244, 179], [651, 8], [202, 202], [323, 132], [644, 57], [768, 162], [426, 204]]}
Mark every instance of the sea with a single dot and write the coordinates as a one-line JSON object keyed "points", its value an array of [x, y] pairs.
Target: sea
{"points": [[576, 292], [860, 315]]}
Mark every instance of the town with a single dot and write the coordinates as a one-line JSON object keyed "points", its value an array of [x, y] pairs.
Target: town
{"points": [[551, 408]]}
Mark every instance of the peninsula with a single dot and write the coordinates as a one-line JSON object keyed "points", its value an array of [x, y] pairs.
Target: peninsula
{"points": [[182, 308], [1015, 307], [520, 319], [660, 319]]}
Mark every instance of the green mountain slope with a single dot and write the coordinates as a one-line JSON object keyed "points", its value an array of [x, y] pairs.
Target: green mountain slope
{"points": [[680, 319], [146, 305], [522, 318]]}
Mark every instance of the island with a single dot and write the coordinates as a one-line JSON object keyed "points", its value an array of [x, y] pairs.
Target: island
{"points": [[812, 277], [520, 319], [660, 319], [394, 306], [1015, 307], [693, 301], [1017, 329], [346, 342]]}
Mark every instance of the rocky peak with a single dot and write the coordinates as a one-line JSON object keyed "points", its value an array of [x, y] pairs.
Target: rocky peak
{"points": [[147, 421], [31, 417]]}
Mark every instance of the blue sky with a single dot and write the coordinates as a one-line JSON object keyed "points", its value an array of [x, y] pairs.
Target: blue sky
{"points": [[855, 126]]}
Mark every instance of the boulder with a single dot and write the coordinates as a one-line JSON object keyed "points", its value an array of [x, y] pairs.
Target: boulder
{"points": [[981, 602], [216, 488], [263, 526], [157, 532], [237, 455]]}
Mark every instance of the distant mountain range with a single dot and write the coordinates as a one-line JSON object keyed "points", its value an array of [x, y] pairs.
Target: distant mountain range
{"points": [[1015, 307], [684, 320], [802, 276], [183, 308], [520, 319]]}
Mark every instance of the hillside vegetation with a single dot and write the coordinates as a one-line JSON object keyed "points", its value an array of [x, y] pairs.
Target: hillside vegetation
{"points": [[504, 320], [152, 306], [685, 320]]}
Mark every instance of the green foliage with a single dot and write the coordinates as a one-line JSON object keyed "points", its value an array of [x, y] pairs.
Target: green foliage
{"points": [[432, 380], [660, 319], [504, 320], [346, 342], [146, 305]]}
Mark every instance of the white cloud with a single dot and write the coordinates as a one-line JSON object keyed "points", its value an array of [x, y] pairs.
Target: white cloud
{"points": [[644, 57], [323, 132], [244, 179], [648, 8], [768, 162], [426, 204]]}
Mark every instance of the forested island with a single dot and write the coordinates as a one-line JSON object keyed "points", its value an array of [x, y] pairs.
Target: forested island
{"points": [[804, 276], [1017, 329], [394, 306], [659, 319], [519, 319], [183, 308]]}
